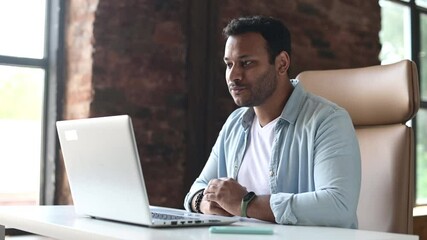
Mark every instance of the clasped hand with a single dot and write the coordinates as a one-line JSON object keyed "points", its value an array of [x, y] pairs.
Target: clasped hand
{"points": [[222, 196]]}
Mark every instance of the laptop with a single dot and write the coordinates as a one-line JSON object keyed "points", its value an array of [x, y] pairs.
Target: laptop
{"points": [[105, 175]]}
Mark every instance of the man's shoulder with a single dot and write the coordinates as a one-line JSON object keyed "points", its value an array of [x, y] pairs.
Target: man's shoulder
{"points": [[320, 109], [317, 102]]}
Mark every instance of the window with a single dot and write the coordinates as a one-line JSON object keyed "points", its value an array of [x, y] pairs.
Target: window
{"points": [[395, 32], [404, 35], [422, 113], [21, 97], [28, 46]]}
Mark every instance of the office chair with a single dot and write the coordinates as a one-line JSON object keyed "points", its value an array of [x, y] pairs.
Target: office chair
{"points": [[380, 100]]}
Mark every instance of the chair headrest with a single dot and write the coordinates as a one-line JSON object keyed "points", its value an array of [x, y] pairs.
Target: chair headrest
{"points": [[383, 94]]}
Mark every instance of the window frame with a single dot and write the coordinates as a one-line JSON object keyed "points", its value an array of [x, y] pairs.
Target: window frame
{"points": [[54, 92], [415, 12]]}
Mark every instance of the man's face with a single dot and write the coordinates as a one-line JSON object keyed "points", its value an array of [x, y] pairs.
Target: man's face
{"points": [[251, 79]]}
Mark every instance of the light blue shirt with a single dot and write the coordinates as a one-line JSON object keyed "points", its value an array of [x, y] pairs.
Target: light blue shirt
{"points": [[315, 167]]}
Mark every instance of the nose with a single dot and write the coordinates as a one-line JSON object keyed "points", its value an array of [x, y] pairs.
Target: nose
{"points": [[234, 73]]}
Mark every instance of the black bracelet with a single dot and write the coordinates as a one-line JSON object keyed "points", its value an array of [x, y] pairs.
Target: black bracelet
{"points": [[198, 201]]}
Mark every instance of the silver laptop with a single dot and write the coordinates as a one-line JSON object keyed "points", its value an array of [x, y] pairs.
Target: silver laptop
{"points": [[105, 176]]}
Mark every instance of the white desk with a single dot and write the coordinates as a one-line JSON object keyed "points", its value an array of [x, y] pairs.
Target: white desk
{"points": [[60, 222]]}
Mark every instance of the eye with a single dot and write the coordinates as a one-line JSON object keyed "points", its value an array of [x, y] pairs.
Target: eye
{"points": [[229, 65], [246, 63]]}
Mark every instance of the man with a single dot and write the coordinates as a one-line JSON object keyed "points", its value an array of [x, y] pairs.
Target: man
{"points": [[285, 156]]}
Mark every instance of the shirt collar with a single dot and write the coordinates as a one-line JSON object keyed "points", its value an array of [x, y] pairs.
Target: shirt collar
{"points": [[248, 117], [294, 104]]}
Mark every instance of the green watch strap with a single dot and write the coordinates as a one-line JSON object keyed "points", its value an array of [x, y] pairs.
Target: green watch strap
{"points": [[245, 202]]}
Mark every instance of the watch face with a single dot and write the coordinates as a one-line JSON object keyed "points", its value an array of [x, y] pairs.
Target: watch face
{"points": [[248, 196]]}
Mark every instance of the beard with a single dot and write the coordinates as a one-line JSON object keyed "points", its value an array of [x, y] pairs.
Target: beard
{"points": [[256, 93]]}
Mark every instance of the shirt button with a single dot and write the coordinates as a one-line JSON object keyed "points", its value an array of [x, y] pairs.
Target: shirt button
{"points": [[271, 173]]}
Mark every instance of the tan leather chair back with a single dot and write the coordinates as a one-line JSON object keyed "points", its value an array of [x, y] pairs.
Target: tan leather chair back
{"points": [[380, 101]]}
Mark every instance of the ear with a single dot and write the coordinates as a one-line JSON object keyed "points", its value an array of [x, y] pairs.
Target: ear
{"points": [[282, 63]]}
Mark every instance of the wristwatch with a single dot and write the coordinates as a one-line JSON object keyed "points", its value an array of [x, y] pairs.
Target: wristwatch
{"points": [[245, 201]]}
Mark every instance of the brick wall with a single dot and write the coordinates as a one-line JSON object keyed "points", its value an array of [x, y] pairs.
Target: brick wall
{"points": [[133, 57], [78, 51], [326, 34]]}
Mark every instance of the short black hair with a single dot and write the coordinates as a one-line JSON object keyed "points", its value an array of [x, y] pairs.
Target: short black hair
{"points": [[275, 33]]}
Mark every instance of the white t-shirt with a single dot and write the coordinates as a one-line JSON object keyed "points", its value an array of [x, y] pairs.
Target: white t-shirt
{"points": [[254, 171]]}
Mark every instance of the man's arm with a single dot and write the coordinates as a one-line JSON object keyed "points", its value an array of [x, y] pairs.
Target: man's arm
{"points": [[210, 171], [259, 208]]}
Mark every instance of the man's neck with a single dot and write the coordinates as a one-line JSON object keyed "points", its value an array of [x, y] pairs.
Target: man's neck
{"points": [[266, 115], [273, 106]]}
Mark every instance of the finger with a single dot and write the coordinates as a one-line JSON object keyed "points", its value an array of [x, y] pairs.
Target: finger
{"points": [[209, 197], [212, 186], [214, 209], [210, 189], [220, 211]]}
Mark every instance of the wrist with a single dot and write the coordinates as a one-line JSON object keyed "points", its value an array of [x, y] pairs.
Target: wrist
{"points": [[245, 203], [197, 199]]}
